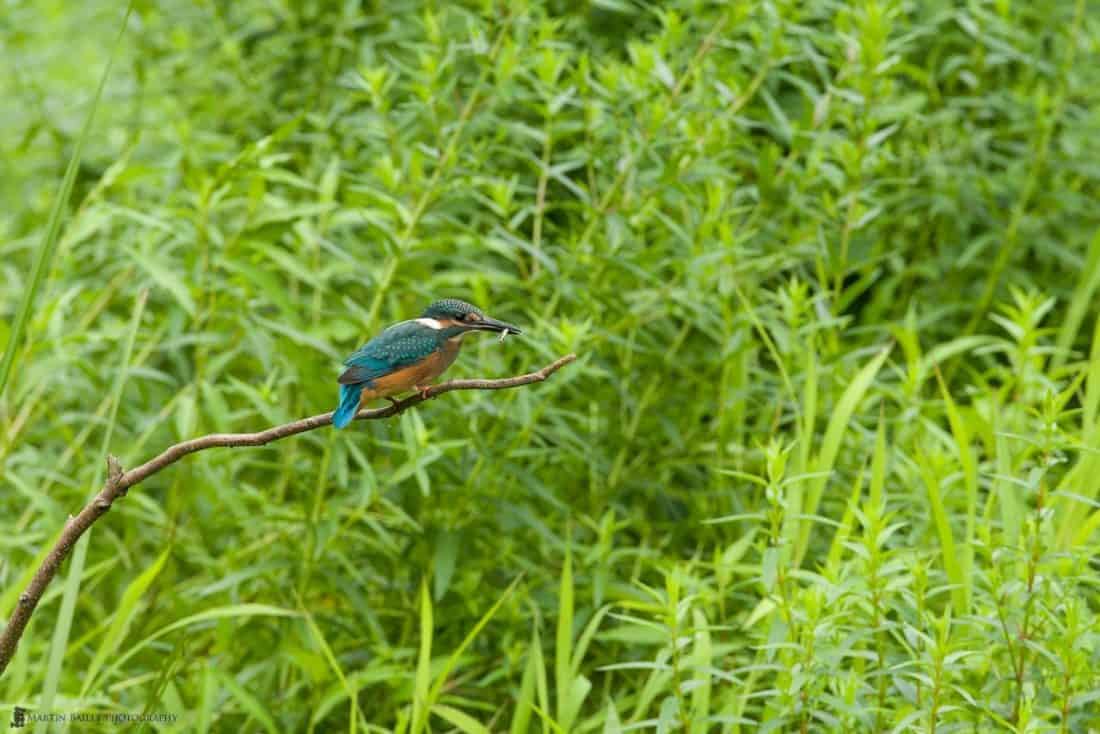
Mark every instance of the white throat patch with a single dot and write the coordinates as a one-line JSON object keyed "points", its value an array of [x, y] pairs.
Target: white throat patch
{"points": [[430, 323]]}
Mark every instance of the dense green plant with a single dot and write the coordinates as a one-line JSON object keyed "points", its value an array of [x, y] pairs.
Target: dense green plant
{"points": [[826, 461]]}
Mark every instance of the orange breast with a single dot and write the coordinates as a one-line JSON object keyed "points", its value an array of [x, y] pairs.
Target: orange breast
{"points": [[420, 374]]}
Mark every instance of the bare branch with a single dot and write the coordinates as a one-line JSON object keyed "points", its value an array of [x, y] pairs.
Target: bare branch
{"points": [[118, 482]]}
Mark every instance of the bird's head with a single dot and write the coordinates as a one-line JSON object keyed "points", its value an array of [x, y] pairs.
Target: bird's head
{"points": [[458, 317]]}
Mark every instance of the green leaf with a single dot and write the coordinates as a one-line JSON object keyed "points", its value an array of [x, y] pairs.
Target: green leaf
{"points": [[970, 479], [525, 701], [446, 554], [423, 678], [940, 517], [612, 723], [563, 646], [465, 723], [252, 705], [233, 611], [166, 279], [825, 460], [122, 618], [702, 662], [445, 672], [334, 664]]}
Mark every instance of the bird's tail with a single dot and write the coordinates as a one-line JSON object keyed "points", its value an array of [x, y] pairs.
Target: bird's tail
{"points": [[349, 405]]}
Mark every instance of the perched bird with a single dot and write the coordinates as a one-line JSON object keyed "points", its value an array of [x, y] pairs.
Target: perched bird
{"points": [[410, 354]]}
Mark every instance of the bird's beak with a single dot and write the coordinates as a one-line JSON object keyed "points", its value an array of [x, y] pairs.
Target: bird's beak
{"points": [[488, 324]]}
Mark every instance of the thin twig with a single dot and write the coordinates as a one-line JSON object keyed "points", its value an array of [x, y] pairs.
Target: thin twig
{"points": [[118, 481]]}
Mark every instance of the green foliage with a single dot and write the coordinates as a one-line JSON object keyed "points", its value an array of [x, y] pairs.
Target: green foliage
{"points": [[826, 461]]}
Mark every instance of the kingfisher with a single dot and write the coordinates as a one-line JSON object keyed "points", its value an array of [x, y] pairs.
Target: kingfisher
{"points": [[410, 354]]}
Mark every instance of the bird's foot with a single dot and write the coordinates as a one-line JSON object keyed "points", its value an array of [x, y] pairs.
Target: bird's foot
{"points": [[424, 391]]}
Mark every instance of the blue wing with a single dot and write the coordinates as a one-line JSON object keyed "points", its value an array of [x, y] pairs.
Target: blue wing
{"points": [[399, 346]]}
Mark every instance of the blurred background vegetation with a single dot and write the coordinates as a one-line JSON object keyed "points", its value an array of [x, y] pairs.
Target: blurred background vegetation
{"points": [[828, 460]]}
